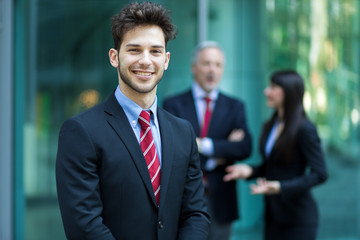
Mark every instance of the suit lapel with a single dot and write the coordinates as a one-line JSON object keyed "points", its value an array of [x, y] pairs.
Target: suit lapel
{"points": [[218, 115], [167, 155], [116, 117]]}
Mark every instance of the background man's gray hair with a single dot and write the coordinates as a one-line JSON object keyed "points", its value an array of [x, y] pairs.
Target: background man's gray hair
{"points": [[203, 45]]}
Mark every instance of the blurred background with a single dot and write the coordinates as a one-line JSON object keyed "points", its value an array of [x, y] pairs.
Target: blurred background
{"points": [[54, 64]]}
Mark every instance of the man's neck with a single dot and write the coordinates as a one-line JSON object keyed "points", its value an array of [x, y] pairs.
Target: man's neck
{"points": [[144, 100]]}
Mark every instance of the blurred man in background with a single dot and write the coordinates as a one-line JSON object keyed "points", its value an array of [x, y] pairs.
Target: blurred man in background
{"points": [[222, 135]]}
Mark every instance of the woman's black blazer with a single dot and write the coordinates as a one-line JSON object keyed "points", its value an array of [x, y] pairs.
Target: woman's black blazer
{"points": [[295, 204]]}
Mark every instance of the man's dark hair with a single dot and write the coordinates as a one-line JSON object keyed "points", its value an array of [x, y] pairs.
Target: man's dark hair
{"points": [[136, 14]]}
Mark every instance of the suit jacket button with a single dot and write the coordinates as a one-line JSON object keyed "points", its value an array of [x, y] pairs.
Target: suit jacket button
{"points": [[160, 225]]}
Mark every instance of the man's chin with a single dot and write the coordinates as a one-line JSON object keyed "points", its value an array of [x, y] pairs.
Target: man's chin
{"points": [[209, 87], [142, 89]]}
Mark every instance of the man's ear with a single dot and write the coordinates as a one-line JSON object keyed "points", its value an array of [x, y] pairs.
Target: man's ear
{"points": [[113, 57], [167, 60]]}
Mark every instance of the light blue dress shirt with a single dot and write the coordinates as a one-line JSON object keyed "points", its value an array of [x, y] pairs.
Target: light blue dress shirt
{"points": [[132, 111], [271, 139], [207, 145]]}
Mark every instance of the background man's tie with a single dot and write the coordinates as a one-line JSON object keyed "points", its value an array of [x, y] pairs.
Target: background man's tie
{"points": [[207, 117], [148, 147]]}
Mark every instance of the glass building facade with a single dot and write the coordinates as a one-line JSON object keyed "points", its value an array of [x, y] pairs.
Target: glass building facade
{"points": [[54, 64]]}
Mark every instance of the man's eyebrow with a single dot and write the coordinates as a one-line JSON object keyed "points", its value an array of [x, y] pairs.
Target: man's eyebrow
{"points": [[132, 45], [138, 45], [158, 46]]}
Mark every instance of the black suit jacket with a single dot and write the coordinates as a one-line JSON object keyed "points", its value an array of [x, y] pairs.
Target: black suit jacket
{"points": [[228, 114], [104, 187], [295, 205]]}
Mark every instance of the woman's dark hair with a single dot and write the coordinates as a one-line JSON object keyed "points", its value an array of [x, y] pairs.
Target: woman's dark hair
{"points": [[293, 86], [136, 14]]}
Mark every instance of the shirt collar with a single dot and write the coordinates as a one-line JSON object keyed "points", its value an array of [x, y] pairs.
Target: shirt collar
{"points": [[199, 93], [131, 109]]}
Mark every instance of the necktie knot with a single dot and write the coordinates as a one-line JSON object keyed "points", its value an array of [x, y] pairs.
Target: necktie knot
{"points": [[207, 100], [144, 119]]}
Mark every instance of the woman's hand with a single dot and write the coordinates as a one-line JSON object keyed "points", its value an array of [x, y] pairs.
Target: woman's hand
{"points": [[266, 187], [237, 171]]}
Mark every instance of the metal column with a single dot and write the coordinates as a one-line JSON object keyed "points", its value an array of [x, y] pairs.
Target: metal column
{"points": [[202, 20], [6, 119]]}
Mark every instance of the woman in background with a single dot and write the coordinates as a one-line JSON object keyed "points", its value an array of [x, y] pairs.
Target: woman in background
{"points": [[293, 163]]}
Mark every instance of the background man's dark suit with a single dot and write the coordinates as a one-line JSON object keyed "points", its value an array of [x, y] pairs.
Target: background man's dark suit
{"points": [[103, 180], [228, 114]]}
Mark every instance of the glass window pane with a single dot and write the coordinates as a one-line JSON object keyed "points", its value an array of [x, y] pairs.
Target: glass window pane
{"points": [[68, 68]]}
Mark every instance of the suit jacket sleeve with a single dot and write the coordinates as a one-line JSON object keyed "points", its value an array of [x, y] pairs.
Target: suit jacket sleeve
{"points": [[238, 150], [194, 222], [78, 184], [310, 150]]}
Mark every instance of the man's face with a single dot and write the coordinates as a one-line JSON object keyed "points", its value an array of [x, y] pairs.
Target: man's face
{"points": [[209, 68], [141, 60]]}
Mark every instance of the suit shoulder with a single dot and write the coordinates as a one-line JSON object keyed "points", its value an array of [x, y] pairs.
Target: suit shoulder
{"points": [[231, 100], [308, 130], [307, 125]]}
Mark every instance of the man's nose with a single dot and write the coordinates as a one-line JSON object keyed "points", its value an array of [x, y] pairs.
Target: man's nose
{"points": [[214, 67], [145, 58]]}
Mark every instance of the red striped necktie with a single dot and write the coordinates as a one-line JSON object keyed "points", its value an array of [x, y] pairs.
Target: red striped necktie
{"points": [[148, 147]]}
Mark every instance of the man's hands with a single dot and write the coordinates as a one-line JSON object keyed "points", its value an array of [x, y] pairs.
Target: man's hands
{"points": [[236, 135]]}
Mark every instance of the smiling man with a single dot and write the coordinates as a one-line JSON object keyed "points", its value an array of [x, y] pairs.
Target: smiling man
{"points": [[127, 169]]}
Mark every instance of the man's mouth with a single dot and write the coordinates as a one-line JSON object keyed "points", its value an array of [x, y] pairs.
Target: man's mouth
{"points": [[145, 74], [210, 78]]}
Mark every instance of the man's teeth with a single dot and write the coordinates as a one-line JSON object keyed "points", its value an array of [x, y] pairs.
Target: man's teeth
{"points": [[143, 73]]}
